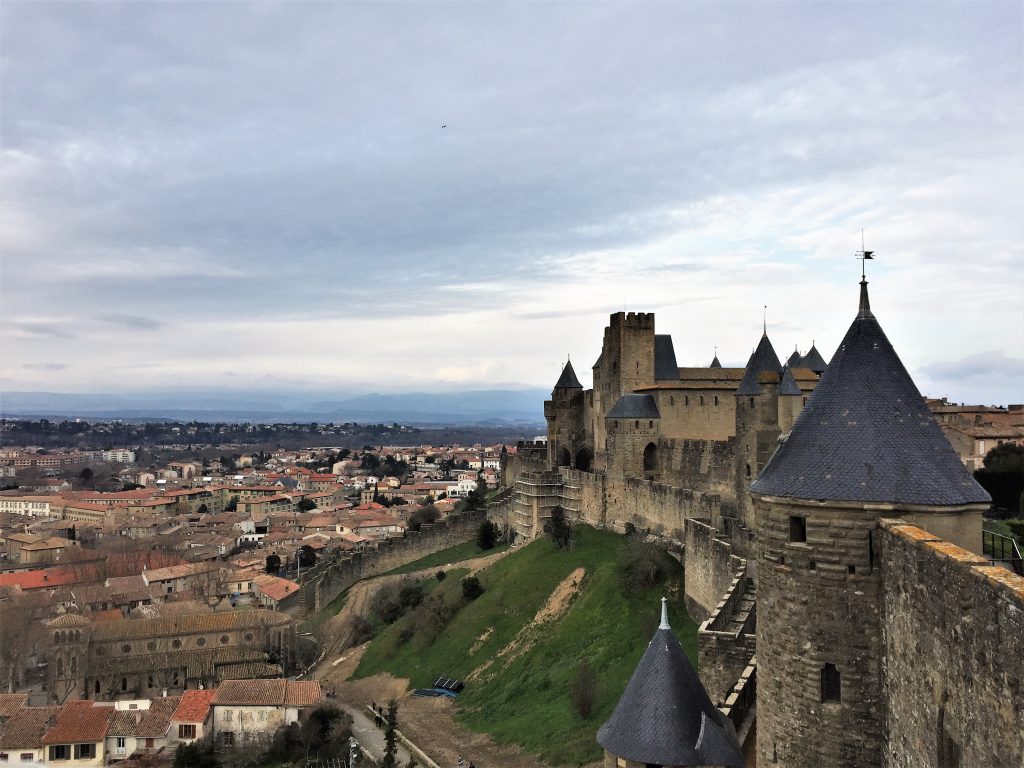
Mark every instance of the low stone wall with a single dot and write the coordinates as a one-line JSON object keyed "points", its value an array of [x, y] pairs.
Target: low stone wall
{"points": [[711, 566], [723, 651], [331, 576], [954, 681]]}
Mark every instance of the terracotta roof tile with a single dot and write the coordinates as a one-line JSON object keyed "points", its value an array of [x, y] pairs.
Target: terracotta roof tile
{"points": [[194, 706], [26, 727], [79, 722], [11, 703]]}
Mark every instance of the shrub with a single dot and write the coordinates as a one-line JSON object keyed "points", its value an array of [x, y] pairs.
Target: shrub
{"points": [[426, 514], [641, 565], [440, 575], [360, 631], [583, 691], [558, 528], [487, 535], [411, 595], [407, 633], [471, 588]]}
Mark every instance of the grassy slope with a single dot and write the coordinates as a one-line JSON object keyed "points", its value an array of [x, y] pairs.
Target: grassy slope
{"points": [[526, 700]]}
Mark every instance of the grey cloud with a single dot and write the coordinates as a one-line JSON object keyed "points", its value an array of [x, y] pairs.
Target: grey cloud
{"points": [[54, 330], [133, 322], [995, 364], [44, 366]]}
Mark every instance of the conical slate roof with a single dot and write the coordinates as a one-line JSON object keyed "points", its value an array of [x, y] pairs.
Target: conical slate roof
{"points": [[866, 434], [715, 363], [665, 367], [764, 359], [814, 361], [568, 378], [634, 406], [788, 385], [665, 717], [794, 359]]}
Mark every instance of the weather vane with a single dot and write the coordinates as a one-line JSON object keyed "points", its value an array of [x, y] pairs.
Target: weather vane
{"points": [[864, 255]]}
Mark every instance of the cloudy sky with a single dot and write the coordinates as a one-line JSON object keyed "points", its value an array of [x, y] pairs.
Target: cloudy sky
{"points": [[263, 195]]}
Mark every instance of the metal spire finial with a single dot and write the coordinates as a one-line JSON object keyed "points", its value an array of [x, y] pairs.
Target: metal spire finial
{"points": [[765, 329], [664, 614]]}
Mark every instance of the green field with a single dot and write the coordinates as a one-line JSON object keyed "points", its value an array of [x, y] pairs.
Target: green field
{"points": [[525, 700], [465, 551]]}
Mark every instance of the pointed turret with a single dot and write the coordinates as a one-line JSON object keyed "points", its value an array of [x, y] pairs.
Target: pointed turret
{"points": [[763, 360], [794, 359], [813, 360], [715, 363], [665, 716], [867, 435], [568, 378], [788, 385]]}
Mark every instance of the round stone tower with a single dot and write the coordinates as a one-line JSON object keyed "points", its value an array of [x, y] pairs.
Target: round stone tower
{"points": [[865, 446]]}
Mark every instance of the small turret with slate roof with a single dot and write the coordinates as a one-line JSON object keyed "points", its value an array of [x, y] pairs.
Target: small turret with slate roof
{"points": [[568, 378], [794, 359], [564, 414], [757, 422], [665, 717], [714, 361], [813, 360], [865, 446]]}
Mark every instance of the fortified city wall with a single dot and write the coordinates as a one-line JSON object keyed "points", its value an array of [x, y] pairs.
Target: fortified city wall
{"points": [[953, 632], [711, 567], [334, 574]]}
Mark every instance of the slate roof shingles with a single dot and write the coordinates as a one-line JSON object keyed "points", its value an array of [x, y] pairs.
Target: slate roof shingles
{"points": [[866, 435]]}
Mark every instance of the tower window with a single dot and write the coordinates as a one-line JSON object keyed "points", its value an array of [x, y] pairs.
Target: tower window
{"points": [[797, 528], [748, 469], [831, 685], [851, 569], [702, 399], [751, 402], [812, 566], [671, 400], [686, 399], [716, 399]]}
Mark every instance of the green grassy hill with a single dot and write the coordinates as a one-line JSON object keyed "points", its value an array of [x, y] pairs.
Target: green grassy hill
{"points": [[522, 697]]}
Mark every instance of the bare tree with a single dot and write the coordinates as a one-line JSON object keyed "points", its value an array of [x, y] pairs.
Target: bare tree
{"points": [[21, 637]]}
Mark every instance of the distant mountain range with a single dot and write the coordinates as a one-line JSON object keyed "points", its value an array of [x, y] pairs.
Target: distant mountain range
{"points": [[491, 406]]}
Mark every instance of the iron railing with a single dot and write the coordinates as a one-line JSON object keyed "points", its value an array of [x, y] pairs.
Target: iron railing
{"points": [[1002, 550]]}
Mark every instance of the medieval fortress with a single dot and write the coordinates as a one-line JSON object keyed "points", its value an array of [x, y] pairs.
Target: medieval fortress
{"points": [[831, 536]]}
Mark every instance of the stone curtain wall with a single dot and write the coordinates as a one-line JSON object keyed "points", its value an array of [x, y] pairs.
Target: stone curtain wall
{"points": [[711, 566], [954, 642], [333, 575], [703, 465], [515, 466], [589, 493], [660, 508]]}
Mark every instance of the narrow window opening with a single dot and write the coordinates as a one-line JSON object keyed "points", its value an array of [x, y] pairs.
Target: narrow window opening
{"points": [[812, 566], [851, 569], [686, 399], [871, 551], [831, 684], [797, 528], [782, 559], [702, 399], [124, 683], [751, 402], [716, 399], [748, 469]]}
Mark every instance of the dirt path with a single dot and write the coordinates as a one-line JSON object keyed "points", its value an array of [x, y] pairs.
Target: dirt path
{"points": [[430, 722], [336, 632]]}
